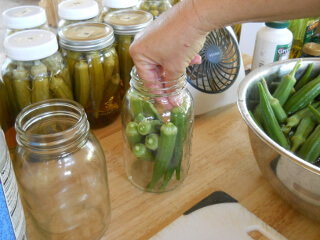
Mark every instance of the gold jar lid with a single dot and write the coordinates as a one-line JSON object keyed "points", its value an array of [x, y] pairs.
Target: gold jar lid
{"points": [[128, 22], [85, 36], [312, 49]]}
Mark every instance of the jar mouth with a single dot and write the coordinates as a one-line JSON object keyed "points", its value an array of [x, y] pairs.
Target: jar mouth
{"points": [[51, 125], [160, 87]]}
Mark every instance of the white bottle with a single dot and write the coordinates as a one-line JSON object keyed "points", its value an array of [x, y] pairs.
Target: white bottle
{"points": [[273, 43], [12, 221]]}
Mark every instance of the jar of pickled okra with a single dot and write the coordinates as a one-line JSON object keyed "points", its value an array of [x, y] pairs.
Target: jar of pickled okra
{"points": [[157, 119], [73, 11], [23, 18], [155, 7], [126, 24], [61, 171], [116, 5], [93, 63], [34, 70]]}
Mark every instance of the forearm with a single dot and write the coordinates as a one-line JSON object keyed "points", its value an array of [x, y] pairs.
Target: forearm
{"points": [[220, 13]]}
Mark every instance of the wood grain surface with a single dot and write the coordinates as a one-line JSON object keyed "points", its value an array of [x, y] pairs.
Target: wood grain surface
{"points": [[221, 160]]}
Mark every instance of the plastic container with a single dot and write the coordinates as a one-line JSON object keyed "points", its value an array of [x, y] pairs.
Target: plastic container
{"points": [[155, 7], [23, 18], [34, 70], [62, 173], [157, 119], [273, 43], [94, 67], [116, 5], [12, 221], [311, 49], [73, 11], [126, 24]]}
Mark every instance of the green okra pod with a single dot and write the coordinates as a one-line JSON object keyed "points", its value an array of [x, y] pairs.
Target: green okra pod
{"points": [[21, 86], [303, 97], [139, 118], [59, 88], [304, 128], [81, 82], [142, 152], [40, 82], [315, 113], [149, 126], [152, 141], [179, 118], [168, 133], [305, 78], [310, 149], [255, 120], [138, 105], [167, 175], [275, 104], [270, 122], [287, 82], [132, 134]]}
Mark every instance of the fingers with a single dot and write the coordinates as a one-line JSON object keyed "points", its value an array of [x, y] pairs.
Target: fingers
{"points": [[196, 60]]}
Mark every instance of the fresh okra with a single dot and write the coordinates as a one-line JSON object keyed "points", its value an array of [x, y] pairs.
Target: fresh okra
{"points": [[149, 126], [142, 152], [40, 82], [132, 134], [305, 78], [152, 141], [310, 149]]}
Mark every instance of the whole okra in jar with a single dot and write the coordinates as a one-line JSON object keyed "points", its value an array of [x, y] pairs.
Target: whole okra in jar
{"points": [[126, 24], [62, 173], [73, 11], [34, 70], [24, 18], [155, 7], [116, 5], [157, 118], [94, 66]]}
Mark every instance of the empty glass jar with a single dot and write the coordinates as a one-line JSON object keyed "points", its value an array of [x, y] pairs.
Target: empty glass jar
{"points": [[94, 66], [61, 170], [157, 118], [126, 24]]}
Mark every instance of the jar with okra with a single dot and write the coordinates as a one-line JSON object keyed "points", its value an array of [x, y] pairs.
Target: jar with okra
{"points": [[34, 70], [24, 18], [157, 119], [88, 49], [116, 5], [73, 11], [155, 7], [126, 24]]}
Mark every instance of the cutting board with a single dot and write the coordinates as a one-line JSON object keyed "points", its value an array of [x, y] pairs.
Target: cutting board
{"points": [[221, 217]]}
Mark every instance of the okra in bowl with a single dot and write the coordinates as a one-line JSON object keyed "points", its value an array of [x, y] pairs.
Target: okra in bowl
{"points": [[286, 149]]}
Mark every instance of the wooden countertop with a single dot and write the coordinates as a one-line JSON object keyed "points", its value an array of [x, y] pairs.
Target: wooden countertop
{"points": [[221, 160]]}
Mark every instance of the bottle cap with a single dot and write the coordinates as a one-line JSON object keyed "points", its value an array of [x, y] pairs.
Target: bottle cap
{"points": [[78, 9], [119, 3], [85, 36], [24, 17], [128, 22], [30, 45], [278, 24], [312, 49]]}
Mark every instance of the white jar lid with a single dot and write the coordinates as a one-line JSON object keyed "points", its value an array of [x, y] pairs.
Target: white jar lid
{"points": [[78, 9], [24, 17], [119, 3], [30, 45]]}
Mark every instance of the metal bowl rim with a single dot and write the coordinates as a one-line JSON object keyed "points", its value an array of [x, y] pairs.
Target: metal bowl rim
{"points": [[242, 106]]}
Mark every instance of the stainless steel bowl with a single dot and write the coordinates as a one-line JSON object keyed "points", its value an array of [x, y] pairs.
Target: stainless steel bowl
{"points": [[295, 180]]}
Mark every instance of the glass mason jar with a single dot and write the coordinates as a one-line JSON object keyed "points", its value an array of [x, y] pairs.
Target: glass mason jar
{"points": [[61, 170], [157, 120], [94, 67], [74, 11], [116, 5], [155, 7], [24, 18], [126, 24], [34, 70]]}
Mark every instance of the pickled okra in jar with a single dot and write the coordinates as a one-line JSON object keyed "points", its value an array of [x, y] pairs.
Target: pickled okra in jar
{"points": [[157, 118], [116, 5], [34, 70], [126, 24], [94, 67], [155, 7]]}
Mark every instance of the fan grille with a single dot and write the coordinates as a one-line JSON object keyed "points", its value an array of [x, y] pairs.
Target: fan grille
{"points": [[220, 63]]}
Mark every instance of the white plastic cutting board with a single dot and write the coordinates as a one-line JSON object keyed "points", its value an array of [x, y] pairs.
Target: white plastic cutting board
{"points": [[223, 221]]}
